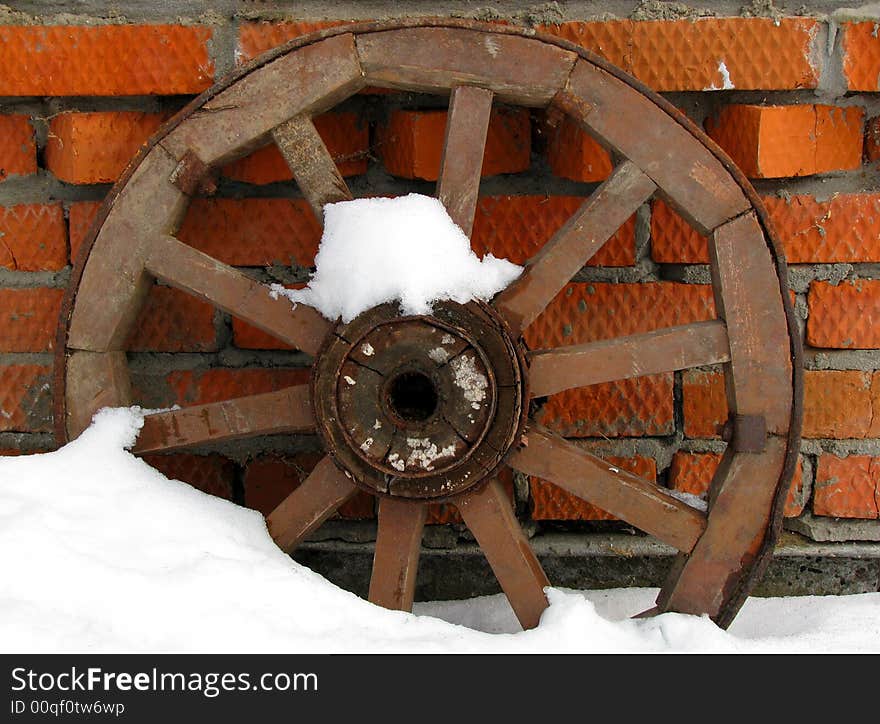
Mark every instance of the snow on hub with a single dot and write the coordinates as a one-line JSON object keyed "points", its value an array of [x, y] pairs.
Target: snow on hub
{"points": [[421, 407]]}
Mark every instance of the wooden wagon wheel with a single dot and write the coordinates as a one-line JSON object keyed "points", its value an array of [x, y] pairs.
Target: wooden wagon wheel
{"points": [[425, 409]]}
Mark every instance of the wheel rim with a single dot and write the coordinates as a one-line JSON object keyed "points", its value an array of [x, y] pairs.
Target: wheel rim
{"points": [[754, 336]]}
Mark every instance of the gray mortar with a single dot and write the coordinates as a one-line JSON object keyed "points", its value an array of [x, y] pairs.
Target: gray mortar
{"points": [[819, 528]]}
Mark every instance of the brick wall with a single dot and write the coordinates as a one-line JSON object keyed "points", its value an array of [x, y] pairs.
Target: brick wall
{"points": [[792, 99]]}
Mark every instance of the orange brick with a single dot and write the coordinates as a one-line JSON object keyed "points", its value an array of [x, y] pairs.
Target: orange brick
{"points": [[411, 143], [104, 60], [844, 316], [173, 321], [673, 240], [800, 140], [199, 387], [704, 403], [212, 474], [550, 502], [610, 39], [255, 38], [861, 56], [33, 237], [92, 148], [692, 473], [28, 319], [837, 403], [25, 398], [872, 138], [516, 227], [847, 487], [347, 137], [253, 232], [18, 148], [269, 479], [246, 336], [81, 214], [574, 154]]}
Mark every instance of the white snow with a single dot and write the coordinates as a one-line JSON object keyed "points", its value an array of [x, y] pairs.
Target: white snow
{"points": [[100, 552], [726, 83], [385, 249]]}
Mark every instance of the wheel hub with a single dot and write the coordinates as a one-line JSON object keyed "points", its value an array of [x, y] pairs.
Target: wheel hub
{"points": [[420, 406]]}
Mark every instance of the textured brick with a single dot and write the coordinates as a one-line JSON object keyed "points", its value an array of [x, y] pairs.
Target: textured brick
{"points": [[573, 153], [212, 474], [704, 403], [33, 237], [348, 140], [25, 398], [81, 214], [844, 316], [674, 240], [861, 56], [516, 227], [28, 318], [18, 148], [255, 38], [213, 385], [173, 321], [411, 143], [872, 138], [550, 502], [692, 473], [269, 479], [611, 39], [104, 60], [837, 403], [847, 487], [253, 232], [91, 148], [799, 140]]}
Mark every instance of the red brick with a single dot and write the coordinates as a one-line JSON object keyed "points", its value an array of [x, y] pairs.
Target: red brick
{"points": [[18, 148], [269, 479], [173, 321], [692, 473], [573, 153], [28, 319], [516, 227], [411, 143], [799, 140], [347, 137], [92, 148], [255, 38], [861, 56], [674, 240], [704, 403], [25, 398], [104, 60], [200, 387], [253, 232], [844, 316], [837, 404], [872, 138], [81, 214], [212, 474], [33, 237], [847, 487], [609, 39], [550, 502]]}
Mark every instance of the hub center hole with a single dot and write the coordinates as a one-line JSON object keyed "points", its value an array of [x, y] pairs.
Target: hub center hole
{"points": [[412, 396]]}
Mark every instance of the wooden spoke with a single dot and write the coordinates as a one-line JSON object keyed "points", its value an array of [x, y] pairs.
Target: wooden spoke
{"points": [[287, 410], [311, 163], [490, 517], [204, 277], [646, 506], [573, 245], [396, 560], [315, 500], [463, 148], [663, 350]]}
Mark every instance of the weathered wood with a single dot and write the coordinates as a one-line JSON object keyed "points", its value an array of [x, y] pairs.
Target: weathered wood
{"points": [[663, 350], [204, 277], [490, 517], [94, 380], [691, 178], [463, 147], [239, 119], [572, 246], [647, 506], [283, 411], [315, 500], [311, 163], [518, 70], [396, 559]]}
